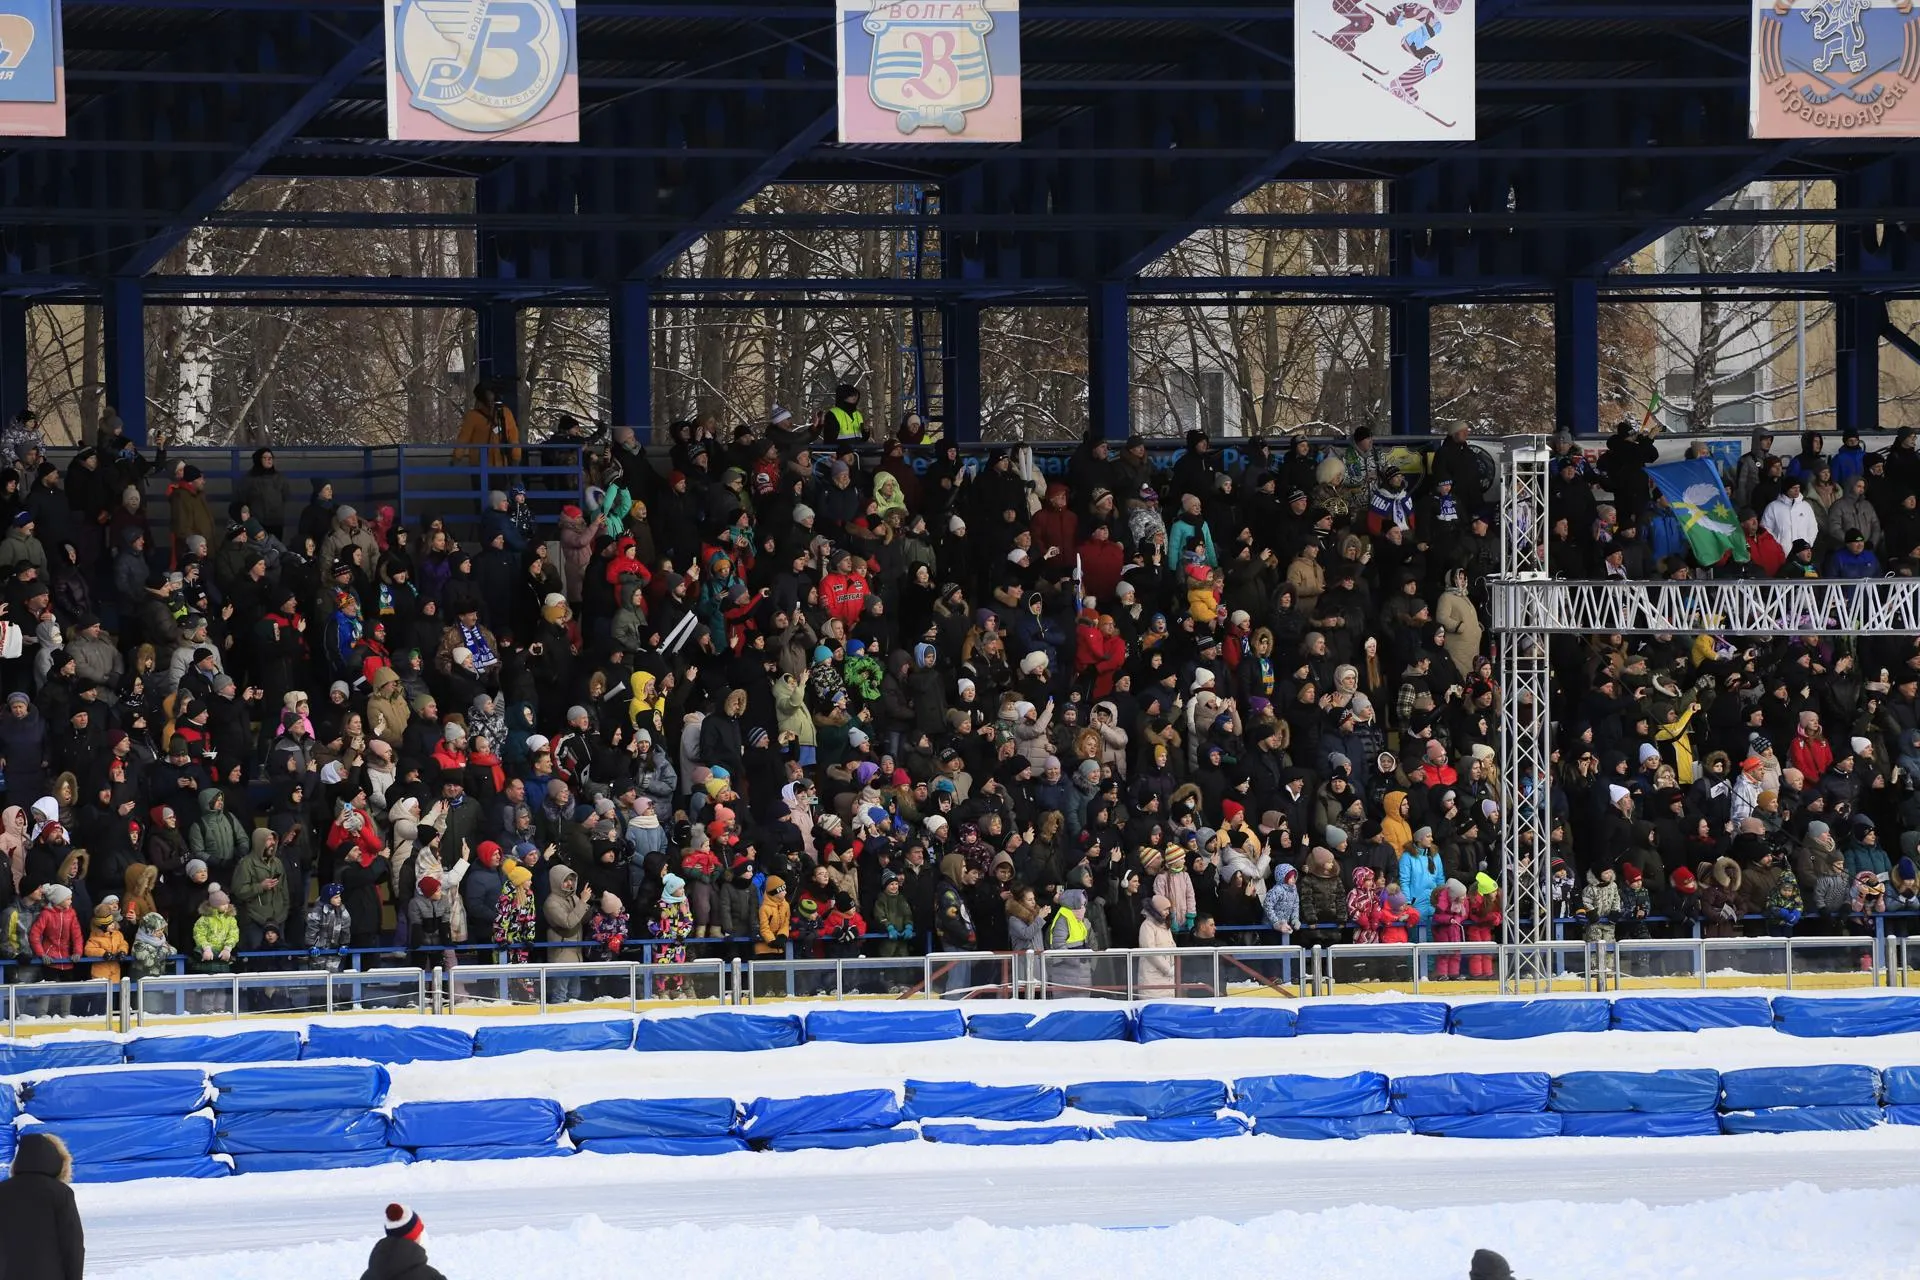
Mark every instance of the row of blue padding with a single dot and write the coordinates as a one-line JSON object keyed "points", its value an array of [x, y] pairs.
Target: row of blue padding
{"points": [[175, 1122], [745, 1032]]}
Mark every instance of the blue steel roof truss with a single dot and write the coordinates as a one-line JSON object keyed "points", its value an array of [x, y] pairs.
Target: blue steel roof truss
{"points": [[1602, 124]]}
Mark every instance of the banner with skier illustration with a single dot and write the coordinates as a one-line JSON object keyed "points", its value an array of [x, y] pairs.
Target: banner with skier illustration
{"points": [[1383, 72], [1835, 68]]}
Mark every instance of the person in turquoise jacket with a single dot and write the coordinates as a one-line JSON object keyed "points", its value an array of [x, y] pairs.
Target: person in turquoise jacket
{"points": [[1421, 872]]}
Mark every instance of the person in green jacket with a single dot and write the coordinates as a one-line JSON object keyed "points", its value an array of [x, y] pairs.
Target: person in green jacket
{"points": [[216, 936], [260, 887], [893, 916], [216, 836]]}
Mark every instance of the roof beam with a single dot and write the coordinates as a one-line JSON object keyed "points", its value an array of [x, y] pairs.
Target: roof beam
{"points": [[244, 165]]}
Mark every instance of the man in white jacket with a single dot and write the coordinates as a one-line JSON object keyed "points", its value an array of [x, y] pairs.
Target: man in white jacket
{"points": [[1791, 518]]}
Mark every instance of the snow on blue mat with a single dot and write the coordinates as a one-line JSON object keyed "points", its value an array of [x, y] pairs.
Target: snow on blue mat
{"points": [[377, 1042], [59, 1055], [155, 1091], [1178, 1128], [1900, 1085], [1639, 1124], [484, 1122], [1364, 1093], [684, 1145], [1067, 1025], [250, 1132], [242, 1046], [1211, 1022], [1846, 1016], [1524, 1019], [492, 1040], [842, 1141], [1393, 1018], [1463, 1093], [312, 1161], [820, 1113], [1037, 1135], [1150, 1099], [718, 1033], [1690, 1013], [1800, 1119], [1757, 1088], [338, 1087], [1500, 1124], [529, 1152], [119, 1138], [1649, 1091], [1319, 1128], [653, 1118], [139, 1170], [894, 1026], [931, 1100]]}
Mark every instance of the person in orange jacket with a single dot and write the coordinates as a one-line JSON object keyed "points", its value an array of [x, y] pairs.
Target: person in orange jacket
{"points": [[488, 423]]}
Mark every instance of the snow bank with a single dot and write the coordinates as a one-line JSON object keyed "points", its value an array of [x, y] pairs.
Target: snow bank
{"points": [[1540, 1239]]}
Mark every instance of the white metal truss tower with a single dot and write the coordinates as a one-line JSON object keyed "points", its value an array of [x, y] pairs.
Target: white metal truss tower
{"points": [[1530, 608], [1526, 737]]}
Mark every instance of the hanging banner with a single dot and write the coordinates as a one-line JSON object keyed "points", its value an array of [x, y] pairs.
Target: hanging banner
{"points": [[1835, 68], [33, 70], [1383, 73], [929, 70], [464, 69]]}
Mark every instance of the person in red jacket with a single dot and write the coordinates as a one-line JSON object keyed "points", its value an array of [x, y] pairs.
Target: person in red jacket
{"points": [[1762, 547], [844, 591], [1099, 652], [1810, 753], [56, 936], [1056, 530], [1102, 560], [1483, 918]]}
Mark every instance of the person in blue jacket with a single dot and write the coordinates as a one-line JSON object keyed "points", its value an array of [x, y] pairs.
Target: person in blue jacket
{"points": [[1422, 872], [1853, 558]]}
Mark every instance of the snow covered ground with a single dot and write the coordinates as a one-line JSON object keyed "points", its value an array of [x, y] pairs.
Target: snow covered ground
{"points": [[1794, 1232]]}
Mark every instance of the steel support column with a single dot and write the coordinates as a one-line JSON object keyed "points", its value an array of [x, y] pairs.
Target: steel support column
{"points": [[13, 357], [630, 328], [1526, 733], [123, 316], [1858, 322], [1576, 357], [1410, 370], [499, 347], [961, 320], [1110, 362]]}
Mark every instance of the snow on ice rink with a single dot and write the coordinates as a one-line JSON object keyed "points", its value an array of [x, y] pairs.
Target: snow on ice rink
{"points": [[1803, 1206]]}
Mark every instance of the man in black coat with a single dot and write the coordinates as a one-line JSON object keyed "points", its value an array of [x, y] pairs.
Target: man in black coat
{"points": [[399, 1255], [40, 1233]]}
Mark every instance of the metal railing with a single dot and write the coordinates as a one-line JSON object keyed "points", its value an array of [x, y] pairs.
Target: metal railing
{"points": [[1179, 973], [592, 984], [311, 991]]}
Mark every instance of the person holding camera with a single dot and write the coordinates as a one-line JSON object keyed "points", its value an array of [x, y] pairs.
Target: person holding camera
{"points": [[488, 422]]}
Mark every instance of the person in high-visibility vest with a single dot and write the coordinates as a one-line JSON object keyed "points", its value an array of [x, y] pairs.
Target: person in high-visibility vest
{"points": [[1070, 932], [843, 420]]}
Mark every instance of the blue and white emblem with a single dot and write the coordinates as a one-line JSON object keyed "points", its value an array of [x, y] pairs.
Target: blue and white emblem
{"points": [[484, 66]]}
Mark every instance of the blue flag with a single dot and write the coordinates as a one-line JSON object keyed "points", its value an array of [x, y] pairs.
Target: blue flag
{"points": [[1700, 503]]}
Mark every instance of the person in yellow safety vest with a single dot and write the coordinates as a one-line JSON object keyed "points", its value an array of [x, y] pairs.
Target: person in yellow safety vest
{"points": [[487, 423], [844, 421], [1069, 962]]}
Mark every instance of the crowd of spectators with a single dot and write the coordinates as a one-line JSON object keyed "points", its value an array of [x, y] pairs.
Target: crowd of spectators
{"points": [[777, 692]]}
